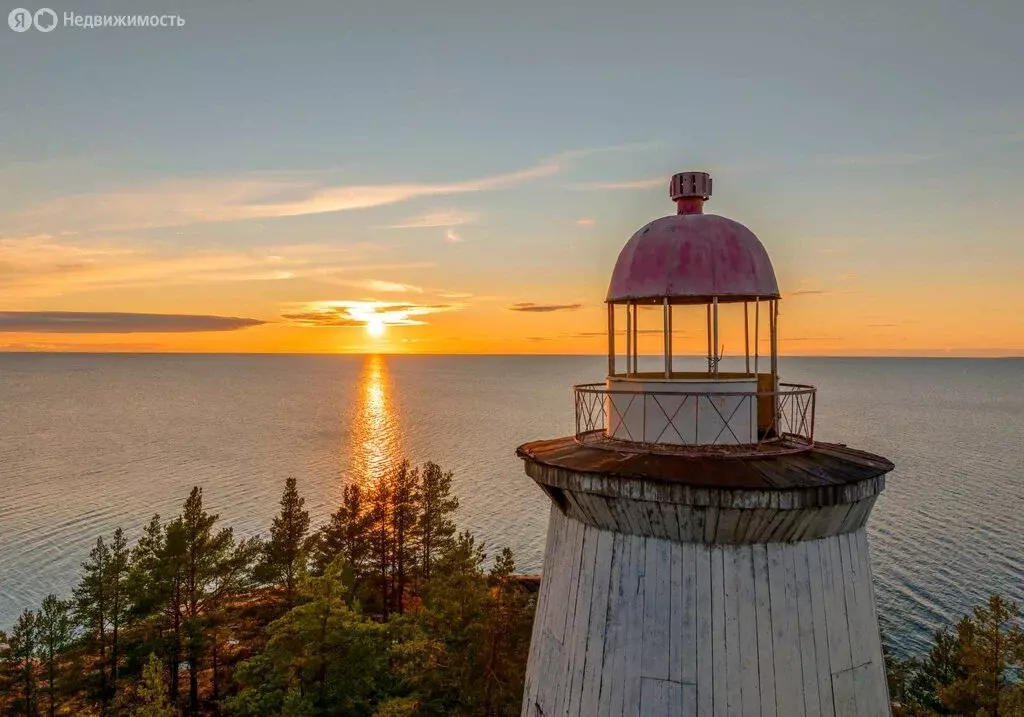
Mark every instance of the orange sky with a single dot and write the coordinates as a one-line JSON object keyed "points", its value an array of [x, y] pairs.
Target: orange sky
{"points": [[246, 185]]}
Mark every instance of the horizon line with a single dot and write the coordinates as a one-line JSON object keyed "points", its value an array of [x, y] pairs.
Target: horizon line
{"points": [[943, 355]]}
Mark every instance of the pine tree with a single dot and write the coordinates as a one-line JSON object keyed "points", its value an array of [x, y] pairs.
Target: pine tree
{"points": [[941, 667], [6, 668], [437, 508], [55, 634], [508, 627], [156, 587], [379, 524], [152, 692], [92, 610], [117, 586], [323, 658], [285, 552], [214, 569], [345, 535], [405, 495], [24, 644], [991, 648], [449, 678]]}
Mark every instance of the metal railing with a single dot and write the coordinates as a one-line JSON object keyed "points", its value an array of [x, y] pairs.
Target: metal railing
{"points": [[708, 422]]}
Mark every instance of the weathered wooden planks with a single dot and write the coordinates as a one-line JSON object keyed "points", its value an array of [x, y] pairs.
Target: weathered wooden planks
{"points": [[716, 525], [637, 625]]}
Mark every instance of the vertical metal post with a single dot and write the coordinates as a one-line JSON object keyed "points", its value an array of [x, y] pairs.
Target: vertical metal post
{"points": [[757, 330], [774, 313], [636, 338], [709, 338], [746, 337], [775, 338], [716, 336], [629, 340], [611, 339], [668, 339]]}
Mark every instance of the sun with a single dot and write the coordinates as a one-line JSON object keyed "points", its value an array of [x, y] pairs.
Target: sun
{"points": [[375, 327]]}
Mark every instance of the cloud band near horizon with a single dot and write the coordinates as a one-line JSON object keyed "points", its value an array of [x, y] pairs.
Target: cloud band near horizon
{"points": [[99, 322]]}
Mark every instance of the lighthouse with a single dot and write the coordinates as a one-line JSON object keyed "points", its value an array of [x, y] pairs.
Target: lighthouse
{"points": [[705, 555]]}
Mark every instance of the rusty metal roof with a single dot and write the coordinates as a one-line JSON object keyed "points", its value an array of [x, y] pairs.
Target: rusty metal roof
{"points": [[690, 258]]}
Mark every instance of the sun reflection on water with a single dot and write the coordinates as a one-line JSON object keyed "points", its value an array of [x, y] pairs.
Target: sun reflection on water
{"points": [[375, 432]]}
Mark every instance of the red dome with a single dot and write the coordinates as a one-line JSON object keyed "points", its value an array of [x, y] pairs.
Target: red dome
{"points": [[690, 258]]}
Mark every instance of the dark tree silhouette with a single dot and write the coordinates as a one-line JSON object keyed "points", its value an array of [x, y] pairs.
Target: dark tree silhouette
{"points": [[56, 630], [285, 553]]}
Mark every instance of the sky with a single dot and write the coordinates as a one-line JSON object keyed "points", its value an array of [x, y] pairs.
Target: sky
{"points": [[459, 177]]}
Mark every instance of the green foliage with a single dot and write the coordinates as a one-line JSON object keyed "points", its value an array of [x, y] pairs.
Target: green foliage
{"points": [[284, 555], [465, 653], [214, 569], [55, 630], [397, 707], [152, 692], [381, 549], [323, 657], [23, 645], [437, 509], [116, 579], [972, 671], [92, 611], [991, 646], [345, 536], [404, 528]]}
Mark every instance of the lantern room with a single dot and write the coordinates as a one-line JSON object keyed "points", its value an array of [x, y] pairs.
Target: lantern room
{"points": [[693, 267]]}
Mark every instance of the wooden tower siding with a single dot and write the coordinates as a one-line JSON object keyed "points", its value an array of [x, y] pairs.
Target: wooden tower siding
{"points": [[672, 593]]}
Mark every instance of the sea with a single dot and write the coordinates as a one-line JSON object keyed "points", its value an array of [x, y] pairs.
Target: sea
{"points": [[90, 442]]}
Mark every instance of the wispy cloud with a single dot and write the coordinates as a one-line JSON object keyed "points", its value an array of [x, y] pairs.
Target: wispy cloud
{"points": [[340, 314], [876, 160], [92, 322], [816, 292], [805, 292], [452, 236], [386, 287], [45, 265], [81, 345], [571, 155], [543, 308], [181, 202], [628, 184], [446, 218], [584, 222]]}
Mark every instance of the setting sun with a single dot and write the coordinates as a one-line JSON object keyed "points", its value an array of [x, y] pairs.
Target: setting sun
{"points": [[375, 327]]}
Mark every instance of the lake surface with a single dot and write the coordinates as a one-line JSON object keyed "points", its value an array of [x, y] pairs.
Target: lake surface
{"points": [[92, 442]]}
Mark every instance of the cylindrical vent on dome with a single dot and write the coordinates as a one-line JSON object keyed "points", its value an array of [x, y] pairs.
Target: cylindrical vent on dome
{"points": [[690, 184]]}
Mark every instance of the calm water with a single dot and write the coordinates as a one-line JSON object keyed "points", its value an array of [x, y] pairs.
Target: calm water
{"points": [[88, 443]]}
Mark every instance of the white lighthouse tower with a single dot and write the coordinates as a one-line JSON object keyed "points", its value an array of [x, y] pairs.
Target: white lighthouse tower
{"points": [[705, 556]]}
